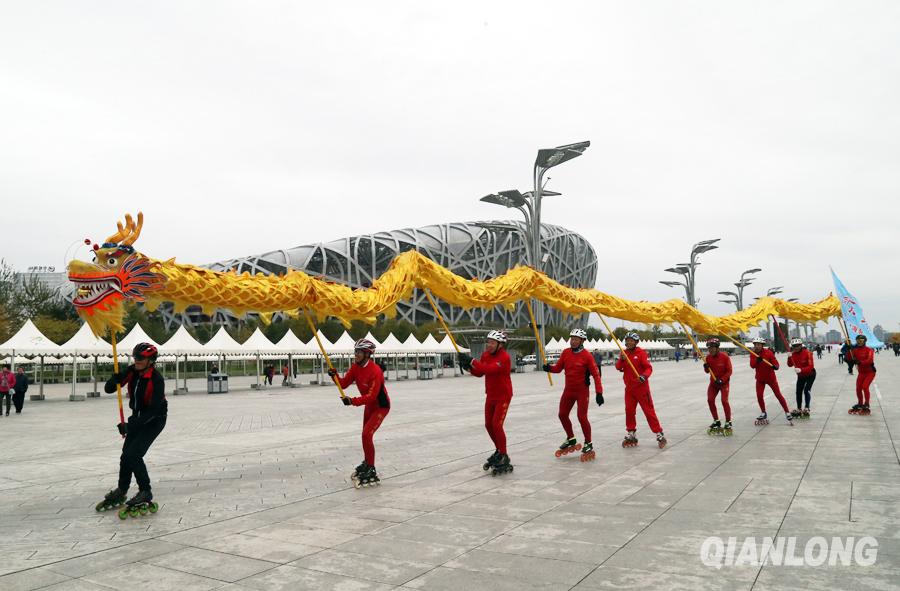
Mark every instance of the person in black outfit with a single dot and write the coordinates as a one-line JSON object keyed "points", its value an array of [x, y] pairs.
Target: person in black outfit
{"points": [[149, 408], [19, 389]]}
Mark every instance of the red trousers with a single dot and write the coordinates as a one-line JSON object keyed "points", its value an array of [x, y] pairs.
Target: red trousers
{"points": [[711, 393], [863, 381], [761, 387], [494, 416], [635, 395], [372, 418], [566, 402]]}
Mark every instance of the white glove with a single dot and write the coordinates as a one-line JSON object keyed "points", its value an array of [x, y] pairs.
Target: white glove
{"points": [[797, 369]]}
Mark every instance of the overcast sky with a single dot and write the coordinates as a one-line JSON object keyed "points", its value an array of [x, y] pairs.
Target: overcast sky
{"points": [[240, 128]]}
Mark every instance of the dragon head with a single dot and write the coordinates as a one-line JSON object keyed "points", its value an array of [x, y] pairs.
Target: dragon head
{"points": [[117, 273]]}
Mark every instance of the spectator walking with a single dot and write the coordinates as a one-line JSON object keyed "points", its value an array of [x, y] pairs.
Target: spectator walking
{"points": [[20, 388]]}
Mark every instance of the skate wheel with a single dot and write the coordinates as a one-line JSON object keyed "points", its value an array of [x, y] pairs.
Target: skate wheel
{"points": [[662, 443], [357, 484], [100, 507], [486, 467], [577, 447], [123, 514], [559, 453], [144, 509], [153, 508]]}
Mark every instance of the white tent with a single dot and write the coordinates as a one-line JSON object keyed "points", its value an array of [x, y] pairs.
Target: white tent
{"points": [[135, 336], [391, 344], [343, 345], [182, 343], [29, 341], [289, 343], [84, 343], [259, 343], [223, 343]]}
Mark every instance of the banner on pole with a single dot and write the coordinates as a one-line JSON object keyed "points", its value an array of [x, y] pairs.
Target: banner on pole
{"points": [[853, 314]]}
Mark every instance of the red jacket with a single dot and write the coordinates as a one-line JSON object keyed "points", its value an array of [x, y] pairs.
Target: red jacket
{"points": [[763, 370], [7, 381], [864, 358], [577, 367], [495, 367], [802, 360], [370, 381], [720, 364], [641, 363]]}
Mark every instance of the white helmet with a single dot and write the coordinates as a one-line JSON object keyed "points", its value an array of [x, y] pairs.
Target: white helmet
{"points": [[497, 335], [578, 332], [796, 341], [759, 340], [633, 335]]}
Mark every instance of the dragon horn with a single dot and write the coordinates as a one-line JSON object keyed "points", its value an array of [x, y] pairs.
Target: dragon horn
{"points": [[118, 235], [134, 230]]}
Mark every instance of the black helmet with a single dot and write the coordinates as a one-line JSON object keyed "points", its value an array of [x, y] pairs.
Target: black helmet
{"points": [[145, 351]]}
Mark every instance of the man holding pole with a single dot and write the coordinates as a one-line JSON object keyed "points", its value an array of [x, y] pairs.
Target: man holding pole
{"points": [[373, 396], [801, 360], [636, 369], [718, 365], [495, 366], [764, 362], [864, 358], [580, 367]]}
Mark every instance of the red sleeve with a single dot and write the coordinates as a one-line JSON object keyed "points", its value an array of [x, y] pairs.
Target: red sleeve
{"points": [[374, 389], [706, 364], [754, 360], [729, 369], [620, 363], [772, 359], [646, 368], [790, 361], [561, 362], [595, 371], [348, 378]]}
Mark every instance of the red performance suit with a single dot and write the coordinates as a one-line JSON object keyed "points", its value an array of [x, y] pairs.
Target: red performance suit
{"points": [[370, 381], [579, 368], [495, 367], [718, 365], [765, 376], [637, 392], [864, 357]]}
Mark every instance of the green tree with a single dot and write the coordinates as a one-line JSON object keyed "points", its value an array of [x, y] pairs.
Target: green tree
{"points": [[58, 331]]}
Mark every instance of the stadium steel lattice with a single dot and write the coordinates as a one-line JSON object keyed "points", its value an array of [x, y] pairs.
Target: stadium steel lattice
{"points": [[469, 249]]}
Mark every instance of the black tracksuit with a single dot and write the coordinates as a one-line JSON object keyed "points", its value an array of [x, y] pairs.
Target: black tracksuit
{"points": [[20, 388], [149, 408]]}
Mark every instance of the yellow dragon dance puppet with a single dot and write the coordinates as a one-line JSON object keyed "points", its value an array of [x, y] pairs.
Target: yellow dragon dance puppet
{"points": [[119, 273]]}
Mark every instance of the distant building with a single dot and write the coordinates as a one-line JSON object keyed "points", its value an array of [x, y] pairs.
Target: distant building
{"points": [[833, 336], [878, 331]]}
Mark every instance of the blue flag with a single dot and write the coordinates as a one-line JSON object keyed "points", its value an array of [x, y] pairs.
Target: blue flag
{"points": [[853, 314]]}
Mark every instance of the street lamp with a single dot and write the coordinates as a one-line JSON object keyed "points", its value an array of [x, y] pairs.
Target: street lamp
{"points": [[530, 205], [735, 299], [689, 270]]}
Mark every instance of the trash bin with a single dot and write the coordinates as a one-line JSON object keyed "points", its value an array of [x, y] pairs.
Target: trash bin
{"points": [[217, 383], [426, 372]]}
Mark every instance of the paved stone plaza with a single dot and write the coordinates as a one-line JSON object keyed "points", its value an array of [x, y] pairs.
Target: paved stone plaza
{"points": [[256, 494]]}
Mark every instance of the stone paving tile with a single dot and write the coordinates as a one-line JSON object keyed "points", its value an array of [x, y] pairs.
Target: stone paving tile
{"points": [[268, 549], [113, 558], [615, 578], [147, 577], [568, 550], [292, 532], [212, 565], [452, 579], [30, 579], [380, 569], [529, 569], [291, 578], [399, 549]]}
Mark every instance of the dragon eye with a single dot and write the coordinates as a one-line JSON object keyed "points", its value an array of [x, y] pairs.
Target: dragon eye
{"points": [[111, 262]]}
